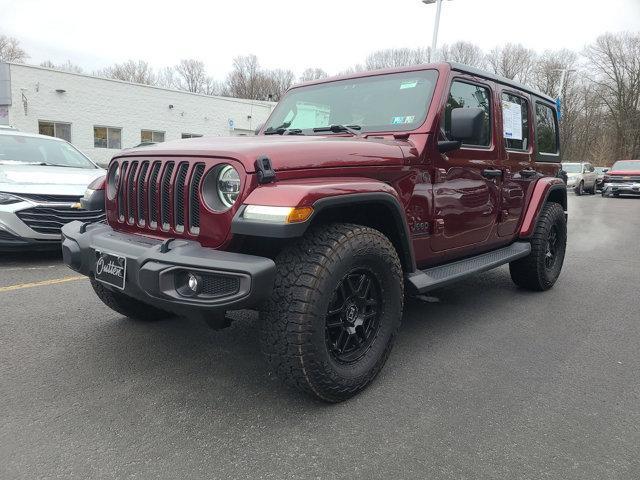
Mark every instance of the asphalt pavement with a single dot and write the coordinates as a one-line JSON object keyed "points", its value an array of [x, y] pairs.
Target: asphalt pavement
{"points": [[485, 381]]}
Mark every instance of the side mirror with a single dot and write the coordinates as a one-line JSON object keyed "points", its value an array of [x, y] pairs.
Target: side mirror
{"points": [[466, 123], [605, 170], [258, 128]]}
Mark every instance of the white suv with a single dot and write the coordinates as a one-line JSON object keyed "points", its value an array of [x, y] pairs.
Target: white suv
{"points": [[582, 177]]}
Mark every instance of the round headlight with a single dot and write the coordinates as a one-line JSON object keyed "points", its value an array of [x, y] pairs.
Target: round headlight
{"points": [[228, 185], [113, 179], [221, 187]]}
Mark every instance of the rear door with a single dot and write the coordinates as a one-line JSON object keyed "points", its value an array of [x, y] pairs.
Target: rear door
{"points": [[467, 187], [518, 165]]}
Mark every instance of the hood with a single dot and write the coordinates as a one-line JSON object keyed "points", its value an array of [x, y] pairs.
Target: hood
{"points": [[573, 175], [287, 152], [46, 180], [624, 172]]}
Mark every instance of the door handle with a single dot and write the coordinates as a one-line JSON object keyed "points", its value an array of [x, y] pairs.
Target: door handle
{"points": [[529, 172], [491, 173]]}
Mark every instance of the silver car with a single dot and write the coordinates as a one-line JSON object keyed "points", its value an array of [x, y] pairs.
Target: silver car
{"points": [[41, 182], [581, 177]]}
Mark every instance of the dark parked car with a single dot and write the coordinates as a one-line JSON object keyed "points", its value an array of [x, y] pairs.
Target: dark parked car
{"points": [[358, 191]]}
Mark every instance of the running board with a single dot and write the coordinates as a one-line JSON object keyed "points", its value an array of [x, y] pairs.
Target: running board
{"points": [[424, 280]]}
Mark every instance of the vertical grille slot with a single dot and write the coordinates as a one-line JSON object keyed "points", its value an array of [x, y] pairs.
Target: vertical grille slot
{"points": [[165, 205], [131, 183], [194, 199], [178, 195], [121, 190], [141, 193], [153, 195]]}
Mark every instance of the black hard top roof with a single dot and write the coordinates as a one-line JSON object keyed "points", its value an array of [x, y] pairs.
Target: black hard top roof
{"points": [[459, 67]]}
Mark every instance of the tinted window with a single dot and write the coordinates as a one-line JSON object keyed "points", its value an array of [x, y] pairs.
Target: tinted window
{"points": [[107, 137], [515, 122], [467, 95], [546, 129]]}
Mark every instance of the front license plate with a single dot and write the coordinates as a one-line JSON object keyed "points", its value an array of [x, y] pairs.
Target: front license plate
{"points": [[111, 269]]}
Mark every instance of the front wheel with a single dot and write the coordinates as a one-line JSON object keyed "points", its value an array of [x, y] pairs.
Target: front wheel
{"points": [[336, 305], [541, 268], [580, 189]]}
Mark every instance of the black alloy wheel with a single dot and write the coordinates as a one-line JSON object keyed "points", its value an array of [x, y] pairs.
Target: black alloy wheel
{"points": [[353, 318]]}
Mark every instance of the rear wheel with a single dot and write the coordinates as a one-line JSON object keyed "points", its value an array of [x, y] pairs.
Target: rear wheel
{"points": [[126, 305], [541, 268], [334, 312]]}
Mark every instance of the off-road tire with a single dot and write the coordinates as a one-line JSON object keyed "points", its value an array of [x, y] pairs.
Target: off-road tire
{"points": [[294, 331], [128, 306], [532, 271]]}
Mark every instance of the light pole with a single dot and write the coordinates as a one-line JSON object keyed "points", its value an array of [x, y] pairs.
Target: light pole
{"points": [[434, 40], [563, 78]]}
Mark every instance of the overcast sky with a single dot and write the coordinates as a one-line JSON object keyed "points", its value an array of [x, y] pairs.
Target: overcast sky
{"points": [[330, 34]]}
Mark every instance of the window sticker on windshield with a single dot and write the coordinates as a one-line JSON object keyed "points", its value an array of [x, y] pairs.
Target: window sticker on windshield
{"points": [[511, 120], [401, 120], [404, 85]]}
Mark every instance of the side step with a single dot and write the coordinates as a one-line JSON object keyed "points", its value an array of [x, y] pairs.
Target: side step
{"points": [[424, 280]]}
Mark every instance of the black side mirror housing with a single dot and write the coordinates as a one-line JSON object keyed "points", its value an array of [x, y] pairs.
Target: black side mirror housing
{"points": [[466, 123], [605, 170], [448, 145]]}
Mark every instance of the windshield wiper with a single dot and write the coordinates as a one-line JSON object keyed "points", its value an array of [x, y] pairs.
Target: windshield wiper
{"points": [[352, 129], [284, 131]]}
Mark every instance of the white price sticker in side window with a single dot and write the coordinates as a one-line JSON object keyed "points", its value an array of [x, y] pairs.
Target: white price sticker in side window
{"points": [[404, 85], [512, 120]]}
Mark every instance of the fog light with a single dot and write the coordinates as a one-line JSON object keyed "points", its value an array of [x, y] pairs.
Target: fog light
{"points": [[194, 282]]}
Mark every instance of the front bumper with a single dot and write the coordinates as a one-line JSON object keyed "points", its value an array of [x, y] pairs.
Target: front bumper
{"points": [[155, 277], [623, 188]]}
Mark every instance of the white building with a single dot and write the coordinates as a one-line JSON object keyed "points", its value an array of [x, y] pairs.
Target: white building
{"points": [[101, 116]]}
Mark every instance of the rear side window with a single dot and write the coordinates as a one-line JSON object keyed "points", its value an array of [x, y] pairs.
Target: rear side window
{"points": [[515, 122], [468, 95], [546, 129]]}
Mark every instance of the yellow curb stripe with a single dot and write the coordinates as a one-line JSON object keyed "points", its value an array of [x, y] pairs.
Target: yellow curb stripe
{"points": [[54, 281]]}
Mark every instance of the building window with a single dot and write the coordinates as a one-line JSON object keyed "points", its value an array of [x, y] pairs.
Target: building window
{"points": [[107, 137], [191, 135], [151, 136], [55, 129]]}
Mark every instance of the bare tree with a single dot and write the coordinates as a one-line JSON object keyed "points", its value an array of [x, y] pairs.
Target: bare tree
{"points": [[130, 71], [274, 83], [10, 50], [463, 52], [512, 61], [167, 78], [245, 78], [191, 75], [547, 71], [313, 74], [65, 67], [397, 57], [614, 63]]}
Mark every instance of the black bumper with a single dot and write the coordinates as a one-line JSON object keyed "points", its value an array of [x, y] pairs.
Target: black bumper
{"points": [[154, 277], [11, 243]]}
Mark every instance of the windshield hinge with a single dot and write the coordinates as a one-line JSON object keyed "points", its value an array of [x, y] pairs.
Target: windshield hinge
{"points": [[264, 170]]}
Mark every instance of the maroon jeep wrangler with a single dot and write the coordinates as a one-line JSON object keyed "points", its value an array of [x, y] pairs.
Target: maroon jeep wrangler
{"points": [[357, 191]]}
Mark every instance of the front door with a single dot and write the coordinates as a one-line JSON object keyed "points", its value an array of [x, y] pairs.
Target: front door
{"points": [[467, 183]]}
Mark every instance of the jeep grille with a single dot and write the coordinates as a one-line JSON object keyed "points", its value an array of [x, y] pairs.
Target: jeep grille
{"points": [[160, 195]]}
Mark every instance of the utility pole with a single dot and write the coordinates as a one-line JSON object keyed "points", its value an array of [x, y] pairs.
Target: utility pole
{"points": [[436, 26]]}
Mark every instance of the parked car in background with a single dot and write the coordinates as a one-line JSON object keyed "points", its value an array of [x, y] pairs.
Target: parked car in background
{"points": [[581, 177], [600, 178], [623, 178], [42, 179]]}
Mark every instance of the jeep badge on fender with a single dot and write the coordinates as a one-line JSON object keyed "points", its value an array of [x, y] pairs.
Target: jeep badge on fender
{"points": [[357, 191]]}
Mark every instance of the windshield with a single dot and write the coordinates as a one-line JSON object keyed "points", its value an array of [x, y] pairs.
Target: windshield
{"points": [[392, 102], [626, 165], [37, 150], [572, 167]]}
